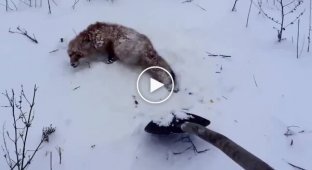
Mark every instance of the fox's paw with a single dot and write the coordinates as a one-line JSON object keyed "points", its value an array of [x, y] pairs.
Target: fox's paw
{"points": [[111, 60]]}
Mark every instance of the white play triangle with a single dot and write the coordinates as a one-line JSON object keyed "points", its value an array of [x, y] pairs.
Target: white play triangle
{"points": [[154, 85]]}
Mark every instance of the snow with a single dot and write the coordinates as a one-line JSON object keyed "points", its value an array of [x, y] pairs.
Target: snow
{"points": [[102, 112], [182, 115], [166, 119]]}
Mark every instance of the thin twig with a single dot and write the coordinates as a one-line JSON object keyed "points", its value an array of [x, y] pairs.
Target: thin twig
{"points": [[295, 166], [289, 3], [74, 5], [54, 3], [14, 4], [298, 38], [301, 50], [50, 160], [76, 88], [12, 103], [290, 132], [25, 3], [59, 151], [255, 80], [53, 51], [298, 17], [200, 7], [187, 1], [218, 55], [234, 6], [310, 28], [24, 32], [5, 149], [190, 1], [49, 7], [74, 31], [294, 8], [32, 156], [28, 122], [187, 139], [6, 6], [248, 13]]}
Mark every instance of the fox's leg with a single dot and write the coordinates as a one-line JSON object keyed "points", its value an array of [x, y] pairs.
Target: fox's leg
{"points": [[111, 53]]}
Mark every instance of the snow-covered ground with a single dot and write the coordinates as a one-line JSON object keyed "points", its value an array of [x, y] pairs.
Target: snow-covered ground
{"points": [[260, 90]]}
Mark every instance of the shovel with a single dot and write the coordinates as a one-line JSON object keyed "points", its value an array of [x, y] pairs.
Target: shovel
{"points": [[194, 124]]}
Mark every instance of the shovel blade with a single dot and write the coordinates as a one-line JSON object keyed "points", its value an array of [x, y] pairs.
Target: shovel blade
{"points": [[175, 125]]}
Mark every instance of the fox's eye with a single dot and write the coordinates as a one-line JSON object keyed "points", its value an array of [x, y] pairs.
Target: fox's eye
{"points": [[78, 56]]}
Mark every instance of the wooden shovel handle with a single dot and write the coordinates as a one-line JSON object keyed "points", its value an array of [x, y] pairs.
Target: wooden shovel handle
{"points": [[238, 154]]}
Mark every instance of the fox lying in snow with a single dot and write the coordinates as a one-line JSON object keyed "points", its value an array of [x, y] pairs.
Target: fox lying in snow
{"points": [[119, 43]]}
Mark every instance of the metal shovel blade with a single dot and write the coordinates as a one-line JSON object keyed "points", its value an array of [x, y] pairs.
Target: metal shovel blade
{"points": [[175, 125]]}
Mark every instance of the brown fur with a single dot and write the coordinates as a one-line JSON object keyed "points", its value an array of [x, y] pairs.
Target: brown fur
{"points": [[119, 43]]}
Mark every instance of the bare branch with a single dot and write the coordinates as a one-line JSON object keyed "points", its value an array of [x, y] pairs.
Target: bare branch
{"points": [[50, 160], [218, 55], [5, 149], [59, 151], [298, 17], [256, 84], [294, 8], [249, 13], [291, 2], [282, 7], [14, 4], [187, 139], [22, 122], [270, 18], [49, 6], [24, 32], [29, 120], [310, 28], [53, 51], [295, 166], [298, 38], [75, 3], [234, 6]]}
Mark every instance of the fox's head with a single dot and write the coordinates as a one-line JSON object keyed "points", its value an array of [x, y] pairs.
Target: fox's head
{"points": [[78, 48]]}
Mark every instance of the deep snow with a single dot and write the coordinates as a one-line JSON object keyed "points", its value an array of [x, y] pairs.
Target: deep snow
{"points": [[102, 111]]}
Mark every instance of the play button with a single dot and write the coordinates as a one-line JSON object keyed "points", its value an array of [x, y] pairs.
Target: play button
{"points": [[154, 85], [153, 90]]}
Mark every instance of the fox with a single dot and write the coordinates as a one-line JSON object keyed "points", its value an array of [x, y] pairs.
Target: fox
{"points": [[120, 43]]}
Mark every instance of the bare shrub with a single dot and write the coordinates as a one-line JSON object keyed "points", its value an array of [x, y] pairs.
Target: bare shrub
{"points": [[22, 112]]}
